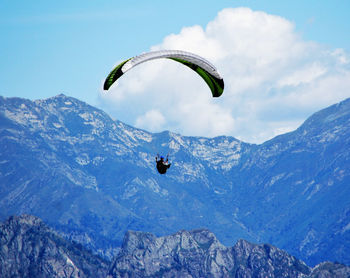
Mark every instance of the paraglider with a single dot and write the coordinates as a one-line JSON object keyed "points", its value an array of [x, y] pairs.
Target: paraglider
{"points": [[162, 165], [200, 65], [197, 63]]}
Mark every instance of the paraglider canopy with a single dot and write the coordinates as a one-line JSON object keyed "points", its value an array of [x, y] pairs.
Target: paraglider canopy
{"points": [[200, 65]]}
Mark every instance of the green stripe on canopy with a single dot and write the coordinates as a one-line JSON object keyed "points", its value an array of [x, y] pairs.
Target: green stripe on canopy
{"points": [[215, 84]]}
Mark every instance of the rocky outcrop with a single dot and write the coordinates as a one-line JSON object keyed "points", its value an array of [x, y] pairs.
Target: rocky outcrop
{"points": [[199, 254], [330, 270], [28, 248]]}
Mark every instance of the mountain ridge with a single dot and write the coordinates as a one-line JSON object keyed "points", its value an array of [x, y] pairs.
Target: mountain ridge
{"points": [[29, 248], [94, 178]]}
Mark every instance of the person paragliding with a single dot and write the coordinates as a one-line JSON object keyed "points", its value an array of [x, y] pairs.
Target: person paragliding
{"points": [[201, 66], [162, 165]]}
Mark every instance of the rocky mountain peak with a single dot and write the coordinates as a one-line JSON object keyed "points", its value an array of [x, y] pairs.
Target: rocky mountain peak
{"points": [[198, 253], [182, 240], [28, 248], [26, 221], [331, 114]]}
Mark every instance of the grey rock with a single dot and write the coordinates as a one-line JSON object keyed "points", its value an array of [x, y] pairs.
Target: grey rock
{"points": [[198, 253], [28, 248], [330, 270]]}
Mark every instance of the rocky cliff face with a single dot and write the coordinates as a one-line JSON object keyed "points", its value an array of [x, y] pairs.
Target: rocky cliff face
{"points": [[199, 254], [28, 248]]}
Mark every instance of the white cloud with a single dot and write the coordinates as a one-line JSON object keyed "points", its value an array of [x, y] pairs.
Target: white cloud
{"points": [[151, 120], [303, 75], [273, 80]]}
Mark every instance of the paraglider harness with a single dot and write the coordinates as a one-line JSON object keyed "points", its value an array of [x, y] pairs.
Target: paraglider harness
{"points": [[162, 166]]}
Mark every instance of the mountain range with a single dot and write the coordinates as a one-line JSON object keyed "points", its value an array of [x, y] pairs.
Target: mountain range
{"points": [[93, 178]]}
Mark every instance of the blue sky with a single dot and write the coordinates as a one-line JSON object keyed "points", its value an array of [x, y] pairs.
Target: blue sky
{"points": [[53, 47]]}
